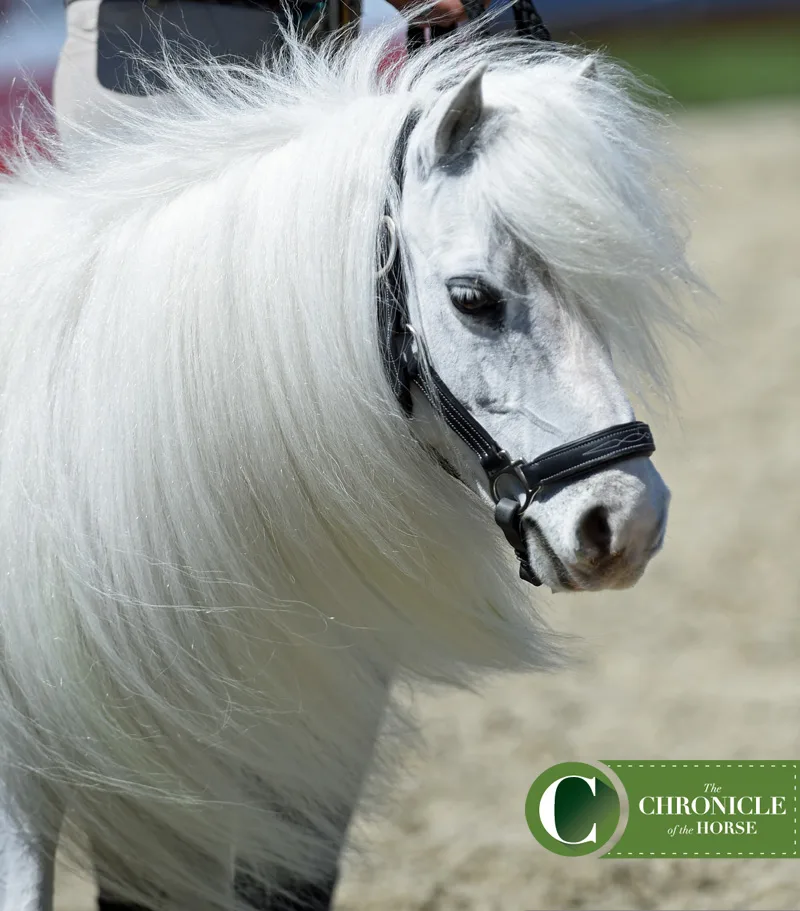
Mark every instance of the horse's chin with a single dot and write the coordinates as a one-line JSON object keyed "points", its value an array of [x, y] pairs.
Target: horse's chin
{"points": [[613, 575]]}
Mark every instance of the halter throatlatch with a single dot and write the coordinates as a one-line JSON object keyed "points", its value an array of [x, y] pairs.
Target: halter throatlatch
{"points": [[513, 483]]}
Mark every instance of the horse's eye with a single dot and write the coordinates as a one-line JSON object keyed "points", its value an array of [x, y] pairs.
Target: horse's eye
{"points": [[473, 297]]}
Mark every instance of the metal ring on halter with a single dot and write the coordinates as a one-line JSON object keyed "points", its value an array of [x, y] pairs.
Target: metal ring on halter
{"points": [[520, 492], [389, 224], [417, 348]]}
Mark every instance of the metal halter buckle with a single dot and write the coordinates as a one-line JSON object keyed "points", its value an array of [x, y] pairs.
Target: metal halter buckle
{"points": [[512, 478]]}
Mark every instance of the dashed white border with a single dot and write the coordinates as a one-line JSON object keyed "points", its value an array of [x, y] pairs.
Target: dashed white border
{"points": [[612, 764]]}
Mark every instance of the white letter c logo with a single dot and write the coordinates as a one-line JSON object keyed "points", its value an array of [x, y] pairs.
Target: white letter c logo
{"points": [[547, 810]]}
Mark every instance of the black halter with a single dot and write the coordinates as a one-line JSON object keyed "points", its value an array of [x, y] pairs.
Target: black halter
{"points": [[513, 483]]}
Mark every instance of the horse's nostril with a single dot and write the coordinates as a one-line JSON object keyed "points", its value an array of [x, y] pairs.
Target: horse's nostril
{"points": [[594, 533]]}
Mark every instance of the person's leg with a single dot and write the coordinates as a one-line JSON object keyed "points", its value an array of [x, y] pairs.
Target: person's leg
{"points": [[103, 63], [78, 96]]}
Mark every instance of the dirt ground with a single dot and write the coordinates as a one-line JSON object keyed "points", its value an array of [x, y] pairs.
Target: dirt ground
{"points": [[701, 659]]}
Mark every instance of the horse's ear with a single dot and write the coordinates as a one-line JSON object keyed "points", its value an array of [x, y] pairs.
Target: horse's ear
{"points": [[452, 124]]}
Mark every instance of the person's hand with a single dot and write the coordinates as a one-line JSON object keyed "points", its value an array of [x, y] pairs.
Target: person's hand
{"points": [[445, 12]]}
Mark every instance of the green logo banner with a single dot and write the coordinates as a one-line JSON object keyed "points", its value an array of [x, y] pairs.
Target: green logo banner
{"points": [[573, 809], [674, 809]]}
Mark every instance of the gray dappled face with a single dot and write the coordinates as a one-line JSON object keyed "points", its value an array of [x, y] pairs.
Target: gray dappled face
{"points": [[526, 367]]}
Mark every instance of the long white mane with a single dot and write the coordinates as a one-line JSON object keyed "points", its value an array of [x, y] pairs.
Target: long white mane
{"points": [[220, 538]]}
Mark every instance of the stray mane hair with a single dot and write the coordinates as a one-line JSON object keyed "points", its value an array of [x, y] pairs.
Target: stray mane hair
{"points": [[221, 539]]}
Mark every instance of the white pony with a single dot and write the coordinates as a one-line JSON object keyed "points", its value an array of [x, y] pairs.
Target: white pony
{"points": [[222, 536]]}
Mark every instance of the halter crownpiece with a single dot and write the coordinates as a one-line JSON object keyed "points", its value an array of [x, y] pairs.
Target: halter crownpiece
{"points": [[513, 483]]}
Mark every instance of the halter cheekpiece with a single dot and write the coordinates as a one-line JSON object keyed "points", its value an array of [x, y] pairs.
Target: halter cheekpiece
{"points": [[513, 483]]}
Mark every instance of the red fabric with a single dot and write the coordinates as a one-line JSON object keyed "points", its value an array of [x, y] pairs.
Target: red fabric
{"points": [[394, 58], [15, 95]]}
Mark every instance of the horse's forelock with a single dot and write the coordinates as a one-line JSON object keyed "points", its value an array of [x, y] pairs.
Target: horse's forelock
{"points": [[581, 172]]}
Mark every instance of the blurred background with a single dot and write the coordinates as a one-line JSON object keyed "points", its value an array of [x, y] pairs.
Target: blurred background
{"points": [[698, 50], [702, 659]]}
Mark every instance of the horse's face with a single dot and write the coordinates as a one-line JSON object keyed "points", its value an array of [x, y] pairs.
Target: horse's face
{"points": [[519, 358]]}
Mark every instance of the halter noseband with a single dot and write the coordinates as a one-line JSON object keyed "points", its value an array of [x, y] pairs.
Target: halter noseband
{"points": [[513, 483]]}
